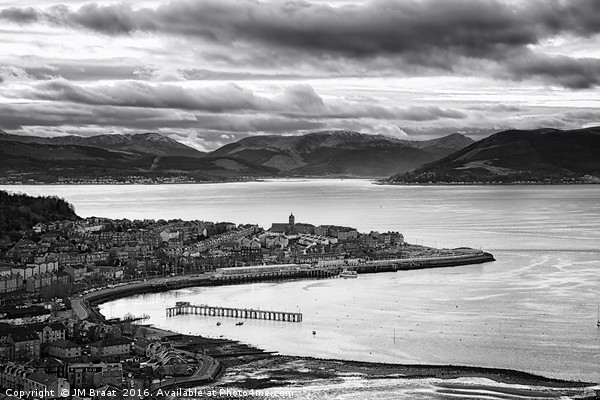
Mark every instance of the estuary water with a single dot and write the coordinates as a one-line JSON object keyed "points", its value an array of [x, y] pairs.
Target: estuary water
{"points": [[534, 309]]}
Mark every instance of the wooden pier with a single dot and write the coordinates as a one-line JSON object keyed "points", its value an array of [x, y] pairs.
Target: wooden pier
{"points": [[184, 308]]}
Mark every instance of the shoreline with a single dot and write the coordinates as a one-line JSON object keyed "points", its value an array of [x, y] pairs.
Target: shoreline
{"points": [[252, 359], [374, 180], [290, 371]]}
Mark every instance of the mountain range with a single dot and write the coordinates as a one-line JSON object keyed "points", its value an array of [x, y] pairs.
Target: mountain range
{"points": [[509, 156], [329, 153], [518, 155], [340, 153]]}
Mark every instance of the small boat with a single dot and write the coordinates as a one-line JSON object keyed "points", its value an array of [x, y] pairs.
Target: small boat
{"points": [[239, 323], [348, 274], [314, 333], [598, 323], [218, 324]]}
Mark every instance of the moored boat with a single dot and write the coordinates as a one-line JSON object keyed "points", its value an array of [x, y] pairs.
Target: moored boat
{"points": [[348, 274]]}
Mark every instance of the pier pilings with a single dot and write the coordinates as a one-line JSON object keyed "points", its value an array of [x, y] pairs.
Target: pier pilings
{"points": [[247, 313]]}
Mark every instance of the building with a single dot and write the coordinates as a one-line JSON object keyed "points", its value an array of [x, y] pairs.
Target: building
{"points": [[64, 349], [25, 343], [111, 349], [87, 375], [347, 234], [76, 272], [49, 332], [46, 386], [281, 228], [13, 375], [11, 283], [48, 365], [307, 229]]}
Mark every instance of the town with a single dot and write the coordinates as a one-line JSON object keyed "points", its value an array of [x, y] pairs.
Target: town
{"points": [[53, 340]]}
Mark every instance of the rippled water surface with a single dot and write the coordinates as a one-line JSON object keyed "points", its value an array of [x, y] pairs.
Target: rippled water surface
{"points": [[534, 309]]}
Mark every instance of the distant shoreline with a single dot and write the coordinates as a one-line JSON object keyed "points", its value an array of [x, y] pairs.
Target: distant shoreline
{"points": [[374, 180]]}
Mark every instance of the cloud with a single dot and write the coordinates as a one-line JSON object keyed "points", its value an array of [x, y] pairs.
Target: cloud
{"points": [[376, 36], [575, 73], [229, 97], [20, 15], [298, 100], [480, 29]]}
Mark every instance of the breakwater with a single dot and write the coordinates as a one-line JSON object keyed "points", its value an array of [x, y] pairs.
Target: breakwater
{"points": [[313, 272]]}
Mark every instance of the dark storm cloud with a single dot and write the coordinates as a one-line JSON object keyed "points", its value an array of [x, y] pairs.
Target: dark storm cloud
{"points": [[439, 34], [575, 73], [473, 28]]}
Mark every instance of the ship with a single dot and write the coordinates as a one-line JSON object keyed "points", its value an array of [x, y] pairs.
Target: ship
{"points": [[348, 274]]}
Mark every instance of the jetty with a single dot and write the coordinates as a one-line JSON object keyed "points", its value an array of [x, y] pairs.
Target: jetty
{"points": [[184, 308]]}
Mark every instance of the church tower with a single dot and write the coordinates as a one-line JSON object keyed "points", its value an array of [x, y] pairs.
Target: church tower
{"points": [[292, 221]]}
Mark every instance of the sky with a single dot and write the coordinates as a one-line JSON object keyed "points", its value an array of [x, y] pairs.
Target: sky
{"points": [[209, 72]]}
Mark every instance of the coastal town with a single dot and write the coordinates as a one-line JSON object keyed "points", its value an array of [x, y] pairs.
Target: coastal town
{"points": [[54, 342]]}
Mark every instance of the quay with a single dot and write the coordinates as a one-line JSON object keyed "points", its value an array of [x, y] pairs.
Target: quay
{"points": [[184, 307]]}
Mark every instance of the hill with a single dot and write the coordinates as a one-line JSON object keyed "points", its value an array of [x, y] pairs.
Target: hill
{"points": [[151, 156], [20, 212], [148, 157], [344, 153], [147, 143], [542, 155]]}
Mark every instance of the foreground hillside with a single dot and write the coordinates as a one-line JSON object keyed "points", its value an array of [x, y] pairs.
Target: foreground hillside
{"points": [[543, 155], [20, 212]]}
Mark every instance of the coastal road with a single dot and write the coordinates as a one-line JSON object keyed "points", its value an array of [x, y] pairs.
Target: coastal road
{"points": [[79, 308]]}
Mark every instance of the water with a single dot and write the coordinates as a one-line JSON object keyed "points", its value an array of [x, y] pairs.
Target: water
{"points": [[491, 217], [534, 309]]}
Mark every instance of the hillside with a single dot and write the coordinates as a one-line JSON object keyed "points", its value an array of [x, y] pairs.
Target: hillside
{"points": [[148, 143], [344, 153], [151, 157], [20, 212], [542, 155]]}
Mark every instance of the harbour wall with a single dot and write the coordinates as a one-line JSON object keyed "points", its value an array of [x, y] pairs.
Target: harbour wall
{"points": [[373, 266]]}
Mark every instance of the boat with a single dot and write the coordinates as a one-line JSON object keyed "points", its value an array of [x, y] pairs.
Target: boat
{"points": [[598, 323], [314, 332], [239, 323], [348, 274], [218, 324]]}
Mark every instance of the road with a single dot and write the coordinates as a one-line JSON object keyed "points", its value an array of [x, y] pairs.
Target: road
{"points": [[79, 307]]}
